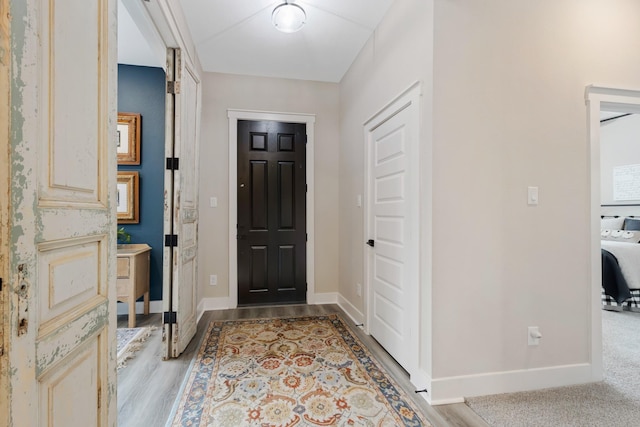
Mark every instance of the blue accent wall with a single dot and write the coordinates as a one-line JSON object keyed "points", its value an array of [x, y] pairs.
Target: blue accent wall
{"points": [[142, 90]]}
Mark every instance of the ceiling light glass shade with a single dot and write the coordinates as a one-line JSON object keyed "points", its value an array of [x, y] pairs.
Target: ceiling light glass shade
{"points": [[288, 17]]}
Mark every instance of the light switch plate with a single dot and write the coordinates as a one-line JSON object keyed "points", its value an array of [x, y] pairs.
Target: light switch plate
{"points": [[532, 196], [213, 202], [533, 335]]}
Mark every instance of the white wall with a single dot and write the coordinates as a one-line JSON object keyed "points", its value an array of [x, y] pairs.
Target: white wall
{"points": [[398, 54], [224, 91], [509, 79]]}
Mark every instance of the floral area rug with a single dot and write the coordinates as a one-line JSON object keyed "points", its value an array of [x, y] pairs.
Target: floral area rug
{"points": [[129, 342], [303, 371]]}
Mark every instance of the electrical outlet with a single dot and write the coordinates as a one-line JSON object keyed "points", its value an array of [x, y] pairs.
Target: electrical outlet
{"points": [[213, 280], [533, 335], [358, 289]]}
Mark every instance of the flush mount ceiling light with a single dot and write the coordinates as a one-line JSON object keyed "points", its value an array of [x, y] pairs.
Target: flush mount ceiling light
{"points": [[288, 17]]}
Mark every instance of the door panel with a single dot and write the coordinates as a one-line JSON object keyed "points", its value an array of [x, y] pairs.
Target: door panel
{"points": [[181, 206], [258, 190], [76, 261], [259, 270], [80, 372], [271, 212], [393, 209], [62, 260], [286, 202], [287, 267], [69, 44]]}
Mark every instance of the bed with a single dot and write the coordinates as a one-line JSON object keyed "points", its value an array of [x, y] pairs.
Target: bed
{"points": [[620, 248]]}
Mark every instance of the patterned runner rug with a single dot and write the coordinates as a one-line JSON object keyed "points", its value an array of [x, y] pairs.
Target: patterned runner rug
{"points": [[129, 341], [303, 371]]}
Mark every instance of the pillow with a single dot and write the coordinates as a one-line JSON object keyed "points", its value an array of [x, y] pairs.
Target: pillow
{"points": [[611, 223], [632, 224], [628, 236]]}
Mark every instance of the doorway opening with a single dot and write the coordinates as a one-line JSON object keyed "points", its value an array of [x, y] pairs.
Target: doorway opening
{"points": [[141, 96], [600, 102]]}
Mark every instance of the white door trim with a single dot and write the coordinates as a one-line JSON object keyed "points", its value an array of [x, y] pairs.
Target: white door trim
{"points": [[309, 120], [408, 99], [599, 99]]}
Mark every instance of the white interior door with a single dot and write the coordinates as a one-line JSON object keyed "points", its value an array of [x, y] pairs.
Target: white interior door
{"points": [[392, 226], [60, 293], [181, 206]]}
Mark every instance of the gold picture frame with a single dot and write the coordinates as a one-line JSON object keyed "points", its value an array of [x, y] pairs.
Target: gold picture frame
{"points": [[127, 197], [128, 140]]}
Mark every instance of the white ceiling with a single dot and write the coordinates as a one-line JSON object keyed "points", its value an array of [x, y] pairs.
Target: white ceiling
{"points": [[133, 46], [237, 37]]}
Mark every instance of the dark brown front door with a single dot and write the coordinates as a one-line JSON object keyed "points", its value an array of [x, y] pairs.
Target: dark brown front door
{"points": [[271, 213]]}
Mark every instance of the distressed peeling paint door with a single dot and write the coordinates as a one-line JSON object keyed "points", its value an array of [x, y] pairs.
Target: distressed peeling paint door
{"points": [[4, 199], [61, 323], [181, 205]]}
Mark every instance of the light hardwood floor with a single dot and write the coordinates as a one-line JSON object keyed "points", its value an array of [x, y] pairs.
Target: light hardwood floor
{"points": [[148, 386]]}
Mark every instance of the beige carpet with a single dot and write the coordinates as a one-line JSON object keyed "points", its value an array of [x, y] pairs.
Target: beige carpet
{"points": [[300, 371], [614, 402]]}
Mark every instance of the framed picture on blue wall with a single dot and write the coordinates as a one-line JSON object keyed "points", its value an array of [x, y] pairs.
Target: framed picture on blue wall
{"points": [[128, 141], [127, 197]]}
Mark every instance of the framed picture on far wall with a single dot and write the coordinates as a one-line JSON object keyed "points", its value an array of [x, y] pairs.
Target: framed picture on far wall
{"points": [[127, 197], [128, 140]]}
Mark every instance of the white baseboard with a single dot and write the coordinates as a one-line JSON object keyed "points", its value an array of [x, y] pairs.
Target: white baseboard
{"points": [[421, 381], [323, 298], [437, 402], [355, 314], [455, 389], [154, 307], [208, 304]]}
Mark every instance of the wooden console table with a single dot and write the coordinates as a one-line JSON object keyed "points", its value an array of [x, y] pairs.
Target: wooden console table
{"points": [[133, 277]]}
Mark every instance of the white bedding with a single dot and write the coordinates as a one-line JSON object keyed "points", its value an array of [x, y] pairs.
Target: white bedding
{"points": [[628, 256]]}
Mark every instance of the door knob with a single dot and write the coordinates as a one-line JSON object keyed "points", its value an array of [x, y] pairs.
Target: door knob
{"points": [[371, 243]]}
